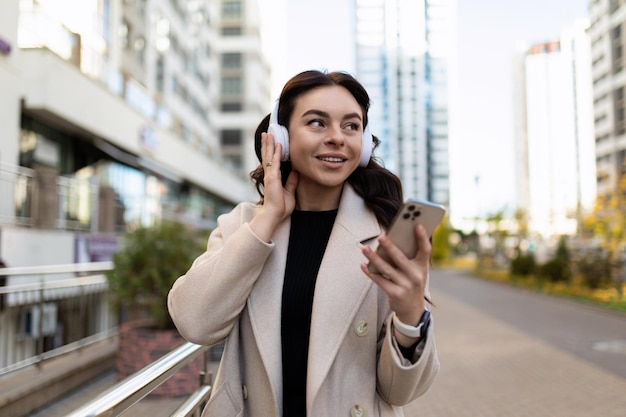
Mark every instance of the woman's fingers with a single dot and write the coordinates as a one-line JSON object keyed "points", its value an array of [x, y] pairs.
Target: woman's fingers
{"points": [[267, 150], [396, 268], [424, 245], [398, 258]]}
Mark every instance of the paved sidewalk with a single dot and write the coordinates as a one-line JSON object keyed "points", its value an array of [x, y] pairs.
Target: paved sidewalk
{"points": [[490, 369]]}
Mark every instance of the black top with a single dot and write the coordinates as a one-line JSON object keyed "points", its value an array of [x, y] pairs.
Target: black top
{"points": [[308, 238]]}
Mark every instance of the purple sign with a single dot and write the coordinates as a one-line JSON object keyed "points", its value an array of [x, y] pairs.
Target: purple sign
{"points": [[95, 248], [5, 47]]}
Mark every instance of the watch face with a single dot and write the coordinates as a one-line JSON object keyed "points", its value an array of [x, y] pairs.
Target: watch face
{"points": [[424, 323]]}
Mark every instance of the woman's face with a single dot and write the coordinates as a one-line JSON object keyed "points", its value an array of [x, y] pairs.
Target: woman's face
{"points": [[325, 138]]}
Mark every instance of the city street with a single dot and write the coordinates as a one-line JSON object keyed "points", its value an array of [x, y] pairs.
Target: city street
{"points": [[504, 351], [511, 352]]}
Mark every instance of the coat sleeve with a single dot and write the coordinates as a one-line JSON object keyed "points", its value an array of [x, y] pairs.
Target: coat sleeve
{"points": [[206, 302], [400, 380]]}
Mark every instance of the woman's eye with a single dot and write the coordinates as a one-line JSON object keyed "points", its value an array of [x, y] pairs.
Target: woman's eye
{"points": [[316, 123], [352, 126]]}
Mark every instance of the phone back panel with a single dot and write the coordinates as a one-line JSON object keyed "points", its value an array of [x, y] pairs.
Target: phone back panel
{"points": [[402, 230]]}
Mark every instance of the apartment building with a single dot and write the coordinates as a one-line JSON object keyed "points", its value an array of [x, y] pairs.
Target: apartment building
{"points": [[117, 113], [121, 112], [608, 41], [555, 145], [245, 84]]}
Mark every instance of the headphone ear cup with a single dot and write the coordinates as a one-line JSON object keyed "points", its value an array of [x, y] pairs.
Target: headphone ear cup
{"points": [[366, 147], [280, 136], [279, 132]]}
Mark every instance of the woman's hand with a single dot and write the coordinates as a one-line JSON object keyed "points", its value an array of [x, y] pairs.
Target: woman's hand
{"points": [[404, 281], [278, 201]]}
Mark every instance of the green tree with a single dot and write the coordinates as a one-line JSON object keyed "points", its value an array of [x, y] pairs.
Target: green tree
{"points": [[441, 237], [608, 222]]}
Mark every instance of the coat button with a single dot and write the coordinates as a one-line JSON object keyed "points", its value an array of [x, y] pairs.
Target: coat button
{"points": [[361, 328], [244, 390], [357, 411]]}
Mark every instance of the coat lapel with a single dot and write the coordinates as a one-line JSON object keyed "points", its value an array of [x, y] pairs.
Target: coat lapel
{"points": [[264, 307], [340, 288]]}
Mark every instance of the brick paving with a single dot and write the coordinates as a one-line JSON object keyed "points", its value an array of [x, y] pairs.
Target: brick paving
{"points": [[489, 368]]}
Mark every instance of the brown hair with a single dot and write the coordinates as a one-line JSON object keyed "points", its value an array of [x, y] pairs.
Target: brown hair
{"points": [[380, 188]]}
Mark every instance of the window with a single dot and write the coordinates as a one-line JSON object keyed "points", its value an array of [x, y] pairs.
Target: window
{"points": [[614, 5], [231, 86], [160, 74], [619, 106], [231, 61], [106, 19], [232, 107], [232, 9], [231, 31], [617, 52], [235, 161], [231, 137]]}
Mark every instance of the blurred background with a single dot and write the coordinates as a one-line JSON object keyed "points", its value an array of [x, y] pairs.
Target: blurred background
{"points": [[121, 114]]}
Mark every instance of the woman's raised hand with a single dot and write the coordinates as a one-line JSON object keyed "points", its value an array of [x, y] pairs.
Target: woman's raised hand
{"points": [[278, 201]]}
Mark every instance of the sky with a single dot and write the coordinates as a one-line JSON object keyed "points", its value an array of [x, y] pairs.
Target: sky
{"points": [[488, 32]]}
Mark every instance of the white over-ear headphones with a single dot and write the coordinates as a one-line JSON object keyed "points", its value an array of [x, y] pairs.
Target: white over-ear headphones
{"points": [[282, 136]]}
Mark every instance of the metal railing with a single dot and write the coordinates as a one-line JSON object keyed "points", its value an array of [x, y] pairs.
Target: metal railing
{"points": [[36, 299], [129, 391], [125, 393]]}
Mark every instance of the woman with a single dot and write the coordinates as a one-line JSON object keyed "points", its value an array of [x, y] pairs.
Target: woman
{"points": [[309, 330]]}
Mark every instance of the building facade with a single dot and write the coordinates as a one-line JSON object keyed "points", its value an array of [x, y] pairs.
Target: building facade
{"points": [[555, 149], [121, 113], [116, 114], [244, 71], [404, 56], [608, 56]]}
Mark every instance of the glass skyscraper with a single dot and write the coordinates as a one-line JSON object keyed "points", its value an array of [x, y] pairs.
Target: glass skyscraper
{"points": [[404, 51]]}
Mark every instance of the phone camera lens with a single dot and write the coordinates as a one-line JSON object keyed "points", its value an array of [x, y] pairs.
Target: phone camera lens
{"points": [[406, 215], [416, 214], [411, 207]]}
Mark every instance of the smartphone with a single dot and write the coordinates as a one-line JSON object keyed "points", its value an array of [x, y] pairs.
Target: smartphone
{"points": [[402, 229]]}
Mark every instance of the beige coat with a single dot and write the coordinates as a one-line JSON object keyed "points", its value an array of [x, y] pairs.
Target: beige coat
{"points": [[233, 292]]}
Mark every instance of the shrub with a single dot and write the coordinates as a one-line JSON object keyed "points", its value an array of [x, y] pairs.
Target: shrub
{"points": [[556, 270], [524, 264], [595, 268], [147, 264]]}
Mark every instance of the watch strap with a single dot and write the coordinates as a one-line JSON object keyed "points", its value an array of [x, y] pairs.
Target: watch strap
{"points": [[413, 331]]}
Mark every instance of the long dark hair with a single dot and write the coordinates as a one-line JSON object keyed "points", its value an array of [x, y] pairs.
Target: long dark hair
{"points": [[380, 188]]}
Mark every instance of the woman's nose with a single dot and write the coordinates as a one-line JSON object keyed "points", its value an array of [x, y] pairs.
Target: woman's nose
{"points": [[335, 135]]}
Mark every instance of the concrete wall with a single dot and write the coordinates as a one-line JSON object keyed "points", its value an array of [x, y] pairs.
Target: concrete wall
{"points": [[9, 100]]}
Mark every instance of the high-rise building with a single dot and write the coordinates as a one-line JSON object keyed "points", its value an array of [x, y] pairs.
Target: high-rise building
{"points": [[244, 82], [404, 56], [555, 155], [608, 41]]}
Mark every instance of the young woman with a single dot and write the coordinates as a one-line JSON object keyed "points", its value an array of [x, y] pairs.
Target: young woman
{"points": [[309, 330]]}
